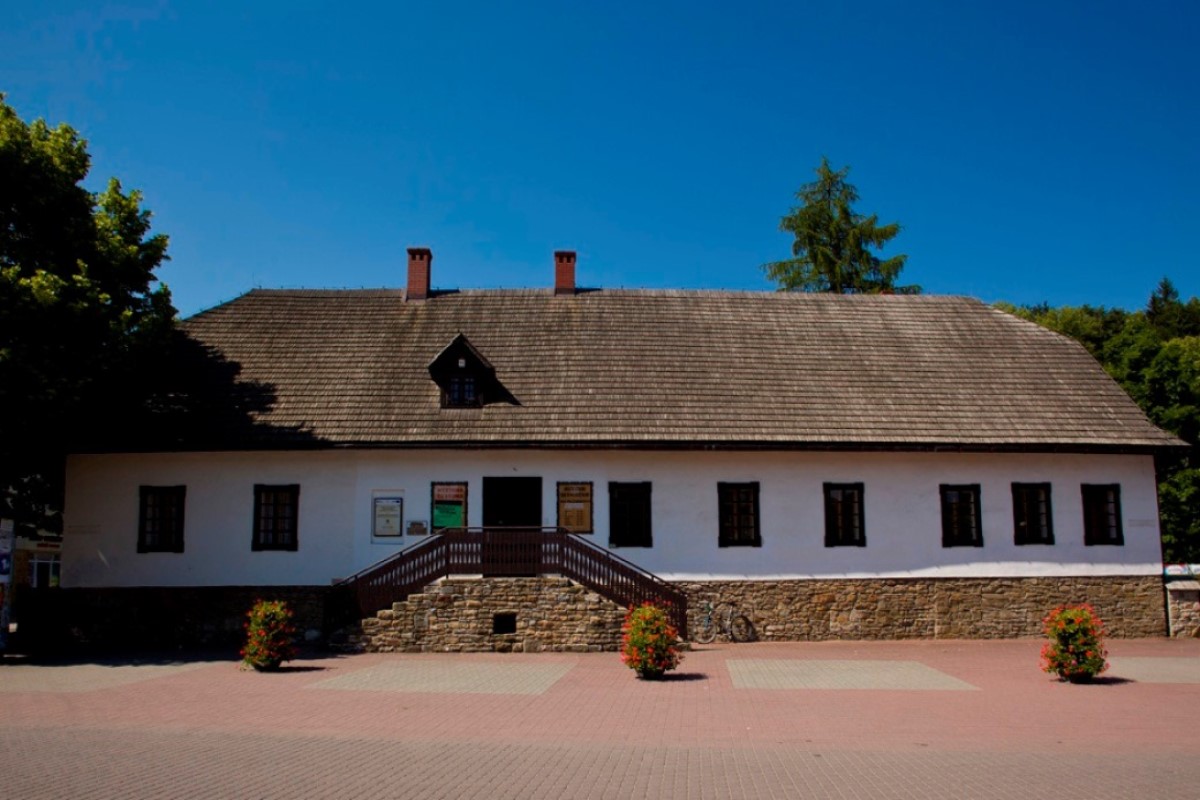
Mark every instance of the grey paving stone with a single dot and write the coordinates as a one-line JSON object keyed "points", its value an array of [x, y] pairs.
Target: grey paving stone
{"points": [[1155, 669], [748, 673]]}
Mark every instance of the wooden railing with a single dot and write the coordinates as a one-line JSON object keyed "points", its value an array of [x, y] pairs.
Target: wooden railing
{"points": [[494, 552]]}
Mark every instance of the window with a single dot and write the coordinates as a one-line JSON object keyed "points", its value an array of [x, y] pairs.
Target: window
{"points": [[460, 392], [1032, 520], [44, 570], [738, 515], [276, 517], [629, 515], [1102, 514], [844, 515], [960, 516], [464, 377], [160, 519]]}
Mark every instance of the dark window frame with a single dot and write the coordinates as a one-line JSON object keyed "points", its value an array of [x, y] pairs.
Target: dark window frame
{"points": [[1102, 500], [463, 390], [731, 528], [266, 537], [630, 537], [1028, 529], [840, 515], [959, 529], [161, 513]]}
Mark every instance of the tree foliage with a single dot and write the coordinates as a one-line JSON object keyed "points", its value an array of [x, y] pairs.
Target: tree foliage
{"points": [[833, 243], [1155, 355], [81, 310]]}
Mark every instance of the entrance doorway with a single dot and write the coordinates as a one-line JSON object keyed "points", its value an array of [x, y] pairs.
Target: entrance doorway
{"points": [[512, 502]]}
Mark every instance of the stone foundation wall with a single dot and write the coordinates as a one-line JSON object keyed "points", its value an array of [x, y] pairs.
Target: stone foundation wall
{"points": [[1183, 604], [154, 617], [458, 615], [556, 614], [958, 608]]}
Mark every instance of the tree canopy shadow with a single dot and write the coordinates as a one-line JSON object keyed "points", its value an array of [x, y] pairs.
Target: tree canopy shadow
{"points": [[194, 398]]}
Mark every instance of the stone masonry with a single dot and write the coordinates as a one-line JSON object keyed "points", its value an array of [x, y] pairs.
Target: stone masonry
{"points": [[556, 614], [461, 615], [1183, 602], [956, 608]]}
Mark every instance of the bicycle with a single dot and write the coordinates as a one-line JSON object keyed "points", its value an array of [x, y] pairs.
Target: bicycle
{"points": [[723, 618]]}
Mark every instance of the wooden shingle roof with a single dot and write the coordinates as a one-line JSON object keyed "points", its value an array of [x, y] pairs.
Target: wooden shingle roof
{"points": [[644, 368]]}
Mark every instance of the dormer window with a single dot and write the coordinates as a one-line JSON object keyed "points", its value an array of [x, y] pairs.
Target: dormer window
{"points": [[461, 392], [465, 377]]}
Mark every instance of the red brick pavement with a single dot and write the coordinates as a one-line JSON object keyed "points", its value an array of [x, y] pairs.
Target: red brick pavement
{"points": [[215, 731]]}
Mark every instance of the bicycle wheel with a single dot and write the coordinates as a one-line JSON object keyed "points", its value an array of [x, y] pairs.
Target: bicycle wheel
{"points": [[741, 629], [706, 631]]}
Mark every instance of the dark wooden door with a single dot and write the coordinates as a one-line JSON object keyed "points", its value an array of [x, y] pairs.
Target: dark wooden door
{"points": [[515, 505], [512, 502]]}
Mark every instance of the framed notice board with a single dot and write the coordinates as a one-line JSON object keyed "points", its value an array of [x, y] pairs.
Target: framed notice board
{"points": [[575, 506], [449, 506], [387, 518]]}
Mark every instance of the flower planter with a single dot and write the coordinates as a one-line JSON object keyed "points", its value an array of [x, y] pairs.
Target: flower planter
{"points": [[269, 636], [1075, 648], [648, 646]]}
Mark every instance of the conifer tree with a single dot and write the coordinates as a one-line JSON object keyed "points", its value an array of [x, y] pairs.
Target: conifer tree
{"points": [[832, 250]]}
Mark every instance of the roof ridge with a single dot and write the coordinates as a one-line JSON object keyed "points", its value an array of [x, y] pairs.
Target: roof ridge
{"points": [[545, 291]]}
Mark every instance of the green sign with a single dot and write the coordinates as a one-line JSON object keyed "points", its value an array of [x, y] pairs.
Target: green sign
{"points": [[448, 515]]}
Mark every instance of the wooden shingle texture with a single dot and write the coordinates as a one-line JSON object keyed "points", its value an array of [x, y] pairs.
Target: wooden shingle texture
{"points": [[672, 368]]}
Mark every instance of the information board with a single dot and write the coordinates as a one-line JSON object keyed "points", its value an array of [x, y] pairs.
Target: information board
{"points": [[575, 506], [449, 505], [388, 517]]}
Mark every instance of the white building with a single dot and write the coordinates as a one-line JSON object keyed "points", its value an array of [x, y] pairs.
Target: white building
{"points": [[847, 465]]}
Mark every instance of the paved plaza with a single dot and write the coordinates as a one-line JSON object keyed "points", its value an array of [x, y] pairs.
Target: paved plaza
{"points": [[926, 719]]}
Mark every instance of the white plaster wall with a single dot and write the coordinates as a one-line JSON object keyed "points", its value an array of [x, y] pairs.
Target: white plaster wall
{"points": [[902, 512], [102, 521]]}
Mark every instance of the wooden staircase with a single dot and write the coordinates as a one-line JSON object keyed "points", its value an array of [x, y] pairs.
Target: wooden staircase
{"points": [[496, 552]]}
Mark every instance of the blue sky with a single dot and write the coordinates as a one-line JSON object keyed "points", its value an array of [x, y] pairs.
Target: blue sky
{"points": [[1031, 151]]}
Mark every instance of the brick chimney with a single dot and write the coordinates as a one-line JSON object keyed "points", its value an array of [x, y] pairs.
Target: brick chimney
{"points": [[419, 261], [564, 272]]}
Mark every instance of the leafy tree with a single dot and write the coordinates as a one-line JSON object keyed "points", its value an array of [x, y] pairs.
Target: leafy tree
{"points": [[1178, 501], [833, 242], [1172, 387], [81, 310]]}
